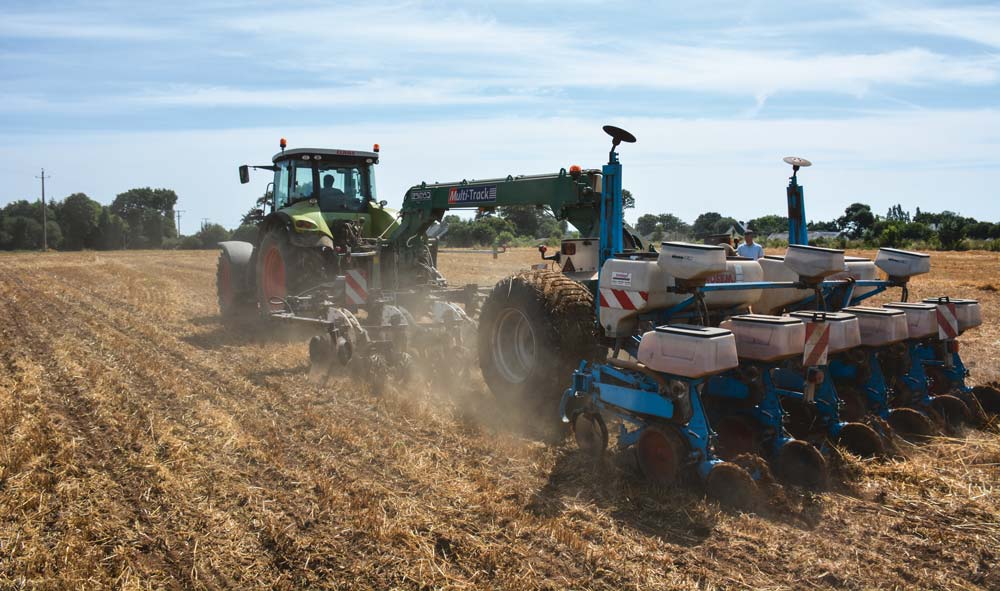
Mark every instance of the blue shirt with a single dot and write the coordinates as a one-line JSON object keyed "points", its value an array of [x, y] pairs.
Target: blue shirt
{"points": [[751, 251]]}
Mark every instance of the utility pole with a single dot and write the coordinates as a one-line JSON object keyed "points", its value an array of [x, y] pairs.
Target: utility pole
{"points": [[179, 212], [204, 222], [45, 216]]}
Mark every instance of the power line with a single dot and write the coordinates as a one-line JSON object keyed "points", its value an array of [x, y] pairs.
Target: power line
{"points": [[179, 212], [45, 217]]}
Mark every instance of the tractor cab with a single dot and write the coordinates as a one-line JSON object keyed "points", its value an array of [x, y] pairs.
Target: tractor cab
{"points": [[316, 187]]}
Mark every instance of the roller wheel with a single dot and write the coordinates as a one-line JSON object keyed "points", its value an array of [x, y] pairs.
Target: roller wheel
{"points": [[534, 330], [732, 486], [989, 398], [737, 435], [591, 433], [909, 423], [800, 464], [954, 412], [661, 452], [860, 439], [854, 405]]}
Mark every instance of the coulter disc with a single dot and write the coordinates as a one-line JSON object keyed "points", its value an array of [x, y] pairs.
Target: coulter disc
{"points": [[989, 398], [732, 486], [910, 423], [860, 439], [952, 410], [800, 464], [591, 433]]}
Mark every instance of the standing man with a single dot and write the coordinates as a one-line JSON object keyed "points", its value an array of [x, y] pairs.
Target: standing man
{"points": [[749, 248]]}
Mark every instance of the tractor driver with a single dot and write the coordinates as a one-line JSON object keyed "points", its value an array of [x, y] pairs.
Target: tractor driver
{"points": [[331, 197]]}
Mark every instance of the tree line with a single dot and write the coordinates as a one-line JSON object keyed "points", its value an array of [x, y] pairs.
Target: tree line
{"points": [[138, 218], [145, 218], [859, 226]]}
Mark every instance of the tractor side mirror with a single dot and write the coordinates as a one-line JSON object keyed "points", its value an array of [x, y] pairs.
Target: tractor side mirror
{"points": [[244, 174], [383, 203]]}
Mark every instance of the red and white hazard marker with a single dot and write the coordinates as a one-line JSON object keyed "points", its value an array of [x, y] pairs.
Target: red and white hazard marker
{"points": [[947, 317], [356, 287], [623, 299], [817, 344]]}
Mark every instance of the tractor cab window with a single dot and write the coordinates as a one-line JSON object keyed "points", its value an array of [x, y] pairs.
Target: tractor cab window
{"points": [[343, 187], [281, 186], [302, 182]]}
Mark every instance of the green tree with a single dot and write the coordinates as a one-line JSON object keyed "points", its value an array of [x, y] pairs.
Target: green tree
{"points": [[769, 224], [857, 219], [149, 214], [111, 231], [951, 233], [245, 233], [646, 224], [79, 217], [705, 224], [896, 213], [671, 224], [211, 235], [628, 201]]}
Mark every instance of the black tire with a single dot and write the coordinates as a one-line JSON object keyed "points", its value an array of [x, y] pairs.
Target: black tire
{"points": [[234, 303], [534, 329], [301, 269]]}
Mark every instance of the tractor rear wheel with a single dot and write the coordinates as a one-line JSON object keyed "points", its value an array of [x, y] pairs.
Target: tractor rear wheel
{"points": [[534, 330], [273, 270]]}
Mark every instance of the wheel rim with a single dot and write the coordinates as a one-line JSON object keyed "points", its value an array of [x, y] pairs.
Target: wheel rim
{"points": [[514, 346], [736, 435], [274, 277], [660, 455], [591, 434]]}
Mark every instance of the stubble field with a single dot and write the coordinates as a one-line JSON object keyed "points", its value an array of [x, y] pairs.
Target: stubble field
{"points": [[145, 445]]}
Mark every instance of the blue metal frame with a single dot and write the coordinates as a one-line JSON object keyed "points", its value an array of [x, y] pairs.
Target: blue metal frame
{"points": [[767, 413], [635, 403]]}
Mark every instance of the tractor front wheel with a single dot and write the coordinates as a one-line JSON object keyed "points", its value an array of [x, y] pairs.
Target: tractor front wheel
{"points": [[233, 302]]}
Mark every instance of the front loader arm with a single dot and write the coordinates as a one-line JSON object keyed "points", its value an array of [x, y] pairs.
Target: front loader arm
{"points": [[572, 196]]}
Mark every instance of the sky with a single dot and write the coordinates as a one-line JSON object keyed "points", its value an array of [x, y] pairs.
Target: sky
{"points": [[893, 102]]}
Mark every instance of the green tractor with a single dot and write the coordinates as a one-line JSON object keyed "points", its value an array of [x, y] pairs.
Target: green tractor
{"points": [[320, 206]]}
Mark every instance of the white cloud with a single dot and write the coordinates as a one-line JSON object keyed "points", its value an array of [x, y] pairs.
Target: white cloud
{"points": [[76, 26], [980, 24]]}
